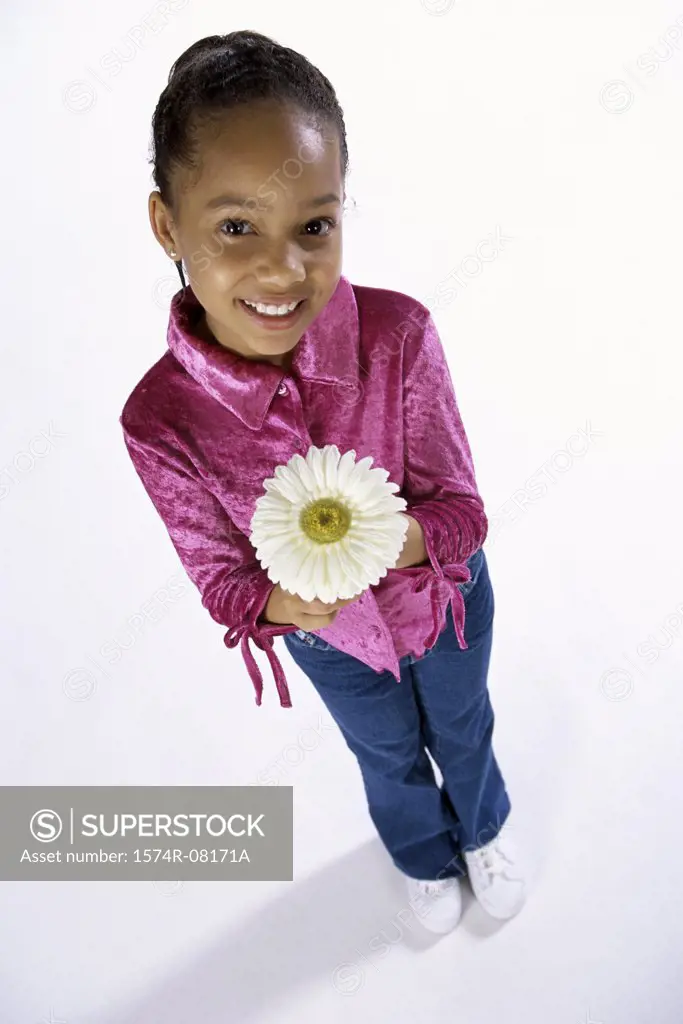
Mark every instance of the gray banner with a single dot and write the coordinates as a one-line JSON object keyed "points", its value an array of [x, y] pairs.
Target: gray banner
{"points": [[140, 833]]}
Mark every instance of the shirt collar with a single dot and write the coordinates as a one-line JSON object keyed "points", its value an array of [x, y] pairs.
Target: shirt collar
{"points": [[326, 353]]}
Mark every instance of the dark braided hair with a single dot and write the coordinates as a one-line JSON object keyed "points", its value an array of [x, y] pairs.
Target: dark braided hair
{"points": [[219, 73]]}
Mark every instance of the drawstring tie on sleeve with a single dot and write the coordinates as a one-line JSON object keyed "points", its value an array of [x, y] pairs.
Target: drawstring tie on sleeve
{"points": [[443, 581], [245, 633]]}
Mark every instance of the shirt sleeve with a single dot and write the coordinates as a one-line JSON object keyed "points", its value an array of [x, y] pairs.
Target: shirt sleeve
{"points": [[439, 486], [218, 558]]}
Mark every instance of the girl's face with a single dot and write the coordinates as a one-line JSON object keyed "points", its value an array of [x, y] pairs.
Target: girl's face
{"points": [[260, 221]]}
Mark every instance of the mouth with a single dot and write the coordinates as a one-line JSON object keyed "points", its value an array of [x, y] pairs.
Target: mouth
{"points": [[271, 315]]}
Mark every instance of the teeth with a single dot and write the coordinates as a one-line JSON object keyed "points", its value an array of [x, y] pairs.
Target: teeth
{"points": [[261, 307]]}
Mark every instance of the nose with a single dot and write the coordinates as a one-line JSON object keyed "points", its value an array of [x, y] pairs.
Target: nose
{"points": [[280, 266]]}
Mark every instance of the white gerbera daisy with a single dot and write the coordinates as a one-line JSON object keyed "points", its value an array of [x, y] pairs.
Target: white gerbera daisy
{"points": [[328, 527]]}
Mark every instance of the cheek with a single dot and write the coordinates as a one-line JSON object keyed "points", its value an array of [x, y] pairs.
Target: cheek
{"points": [[215, 269], [222, 276], [203, 247], [217, 266], [327, 262]]}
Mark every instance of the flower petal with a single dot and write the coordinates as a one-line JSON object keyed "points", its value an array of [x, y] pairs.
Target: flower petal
{"points": [[344, 470], [369, 494], [320, 580], [331, 458], [274, 542], [353, 565], [306, 476], [289, 483], [359, 474], [306, 573], [313, 461]]}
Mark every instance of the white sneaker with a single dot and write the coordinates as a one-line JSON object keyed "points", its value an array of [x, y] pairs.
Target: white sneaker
{"points": [[438, 903], [496, 877]]}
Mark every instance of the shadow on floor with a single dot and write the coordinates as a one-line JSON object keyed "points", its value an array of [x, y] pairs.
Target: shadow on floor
{"points": [[334, 927]]}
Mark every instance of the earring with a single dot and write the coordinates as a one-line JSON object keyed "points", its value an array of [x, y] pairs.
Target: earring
{"points": [[173, 254]]}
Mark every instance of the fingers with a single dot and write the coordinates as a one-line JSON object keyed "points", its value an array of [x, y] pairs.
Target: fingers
{"points": [[319, 607], [310, 622], [310, 615]]}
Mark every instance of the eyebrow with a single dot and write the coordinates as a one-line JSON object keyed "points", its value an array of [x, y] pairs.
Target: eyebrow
{"points": [[331, 197]]}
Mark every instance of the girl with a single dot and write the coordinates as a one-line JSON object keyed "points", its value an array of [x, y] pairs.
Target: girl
{"points": [[272, 350]]}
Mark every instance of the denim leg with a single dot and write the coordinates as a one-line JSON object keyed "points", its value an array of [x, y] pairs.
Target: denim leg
{"points": [[451, 688], [382, 725]]}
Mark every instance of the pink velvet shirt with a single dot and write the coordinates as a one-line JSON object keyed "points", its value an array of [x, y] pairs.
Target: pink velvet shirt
{"points": [[205, 426]]}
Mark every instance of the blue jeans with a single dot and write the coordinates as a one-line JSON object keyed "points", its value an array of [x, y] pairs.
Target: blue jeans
{"points": [[441, 704]]}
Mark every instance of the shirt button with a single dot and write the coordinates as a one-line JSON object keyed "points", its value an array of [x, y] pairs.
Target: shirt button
{"points": [[282, 390]]}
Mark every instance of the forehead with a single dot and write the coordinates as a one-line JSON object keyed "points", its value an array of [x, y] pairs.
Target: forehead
{"points": [[265, 153]]}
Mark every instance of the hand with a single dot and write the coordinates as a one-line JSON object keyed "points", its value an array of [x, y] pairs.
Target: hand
{"points": [[288, 609], [283, 608], [414, 551]]}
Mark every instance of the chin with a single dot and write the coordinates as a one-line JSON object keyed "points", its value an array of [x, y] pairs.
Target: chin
{"points": [[280, 345]]}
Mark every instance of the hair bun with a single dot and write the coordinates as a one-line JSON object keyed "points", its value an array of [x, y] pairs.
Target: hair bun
{"points": [[247, 38], [209, 44], [244, 40]]}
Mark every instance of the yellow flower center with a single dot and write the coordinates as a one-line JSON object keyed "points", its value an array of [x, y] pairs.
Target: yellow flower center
{"points": [[325, 520]]}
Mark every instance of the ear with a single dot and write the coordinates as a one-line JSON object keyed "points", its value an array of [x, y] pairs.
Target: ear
{"points": [[161, 223]]}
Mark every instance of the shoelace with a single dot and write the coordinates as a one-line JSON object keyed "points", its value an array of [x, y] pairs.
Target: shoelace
{"points": [[435, 888], [492, 860]]}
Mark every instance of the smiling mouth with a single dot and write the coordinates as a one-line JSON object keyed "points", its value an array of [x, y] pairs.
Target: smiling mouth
{"points": [[269, 315]]}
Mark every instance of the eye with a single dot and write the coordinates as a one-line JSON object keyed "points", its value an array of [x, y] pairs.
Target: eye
{"points": [[327, 221], [231, 234], [325, 226]]}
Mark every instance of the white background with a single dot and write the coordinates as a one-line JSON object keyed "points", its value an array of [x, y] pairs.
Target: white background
{"points": [[486, 117]]}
